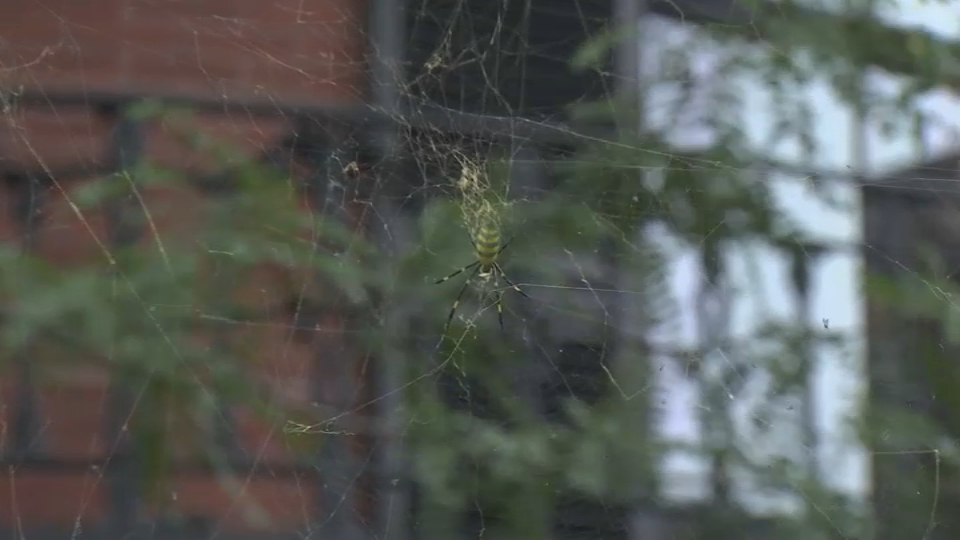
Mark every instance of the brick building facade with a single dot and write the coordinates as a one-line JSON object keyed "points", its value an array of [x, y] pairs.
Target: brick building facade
{"points": [[63, 66]]}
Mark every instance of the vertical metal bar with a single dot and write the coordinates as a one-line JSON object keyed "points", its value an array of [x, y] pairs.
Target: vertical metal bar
{"points": [[860, 161], [393, 486], [333, 379], [26, 434], [646, 520], [386, 52], [124, 228], [713, 315], [803, 257], [385, 57]]}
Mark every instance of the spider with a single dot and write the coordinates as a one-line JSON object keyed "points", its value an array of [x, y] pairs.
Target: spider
{"points": [[487, 248]]}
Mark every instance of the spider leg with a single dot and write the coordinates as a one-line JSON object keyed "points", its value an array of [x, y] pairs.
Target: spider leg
{"points": [[498, 296], [456, 303], [510, 283], [505, 244], [457, 273]]}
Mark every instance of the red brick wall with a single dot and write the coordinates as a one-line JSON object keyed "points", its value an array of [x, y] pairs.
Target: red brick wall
{"points": [[281, 49], [296, 50]]}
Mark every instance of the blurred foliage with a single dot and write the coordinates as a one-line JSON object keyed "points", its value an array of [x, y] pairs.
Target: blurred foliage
{"points": [[170, 315]]}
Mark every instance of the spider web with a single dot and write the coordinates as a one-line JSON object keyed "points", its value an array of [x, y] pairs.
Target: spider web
{"points": [[574, 336]]}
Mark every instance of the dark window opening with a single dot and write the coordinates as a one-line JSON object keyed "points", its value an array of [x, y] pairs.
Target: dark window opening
{"points": [[578, 374], [504, 58]]}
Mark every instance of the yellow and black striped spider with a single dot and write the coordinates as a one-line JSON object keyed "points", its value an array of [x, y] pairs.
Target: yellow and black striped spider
{"points": [[487, 248]]}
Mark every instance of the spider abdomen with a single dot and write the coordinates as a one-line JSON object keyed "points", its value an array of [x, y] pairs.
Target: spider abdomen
{"points": [[487, 244]]}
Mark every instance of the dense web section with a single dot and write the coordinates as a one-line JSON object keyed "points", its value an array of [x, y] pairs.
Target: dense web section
{"points": [[264, 283]]}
